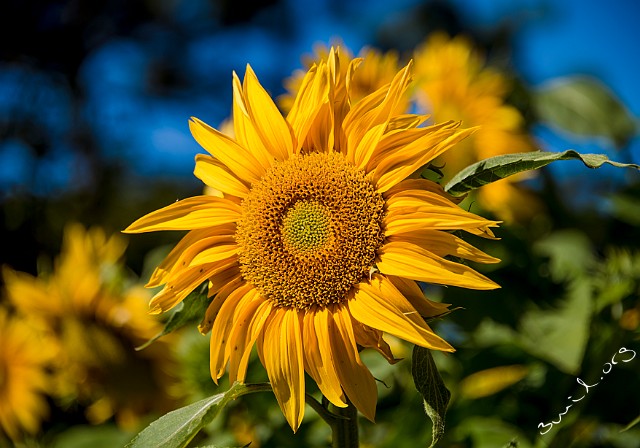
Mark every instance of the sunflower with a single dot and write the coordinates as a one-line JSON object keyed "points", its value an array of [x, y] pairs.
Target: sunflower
{"points": [[453, 83], [376, 70], [25, 356], [97, 325], [321, 235]]}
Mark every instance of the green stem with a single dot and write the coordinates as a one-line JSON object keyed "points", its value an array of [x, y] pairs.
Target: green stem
{"points": [[345, 429]]}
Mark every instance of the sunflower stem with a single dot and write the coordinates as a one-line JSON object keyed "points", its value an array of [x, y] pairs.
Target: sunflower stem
{"points": [[345, 430]]}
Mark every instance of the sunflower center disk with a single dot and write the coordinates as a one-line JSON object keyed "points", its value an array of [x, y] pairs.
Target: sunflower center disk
{"points": [[306, 226], [310, 231]]}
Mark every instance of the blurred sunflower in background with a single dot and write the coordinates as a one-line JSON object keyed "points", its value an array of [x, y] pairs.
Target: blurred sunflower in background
{"points": [[25, 360], [97, 322], [321, 235], [452, 82]]}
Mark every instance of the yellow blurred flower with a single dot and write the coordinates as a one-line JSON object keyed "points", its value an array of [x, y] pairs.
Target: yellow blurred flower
{"points": [[25, 356], [98, 325], [320, 236], [453, 83]]}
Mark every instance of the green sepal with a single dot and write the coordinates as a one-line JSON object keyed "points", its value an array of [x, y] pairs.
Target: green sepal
{"points": [[190, 310]]}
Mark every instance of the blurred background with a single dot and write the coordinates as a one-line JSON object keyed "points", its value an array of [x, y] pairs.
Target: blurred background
{"points": [[95, 98]]}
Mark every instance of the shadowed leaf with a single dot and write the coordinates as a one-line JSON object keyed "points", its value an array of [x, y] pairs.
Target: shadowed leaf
{"points": [[430, 385]]}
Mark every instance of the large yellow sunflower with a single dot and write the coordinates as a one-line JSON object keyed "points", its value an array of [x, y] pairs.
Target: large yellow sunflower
{"points": [[321, 235], [25, 356], [453, 83], [98, 324]]}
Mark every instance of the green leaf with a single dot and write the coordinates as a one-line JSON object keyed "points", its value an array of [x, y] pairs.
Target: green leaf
{"points": [[102, 436], [177, 428], [631, 425], [584, 106], [430, 385], [190, 310], [560, 335], [499, 167]]}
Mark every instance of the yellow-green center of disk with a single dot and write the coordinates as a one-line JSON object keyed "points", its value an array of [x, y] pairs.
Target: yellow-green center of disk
{"points": [[306, 226]]}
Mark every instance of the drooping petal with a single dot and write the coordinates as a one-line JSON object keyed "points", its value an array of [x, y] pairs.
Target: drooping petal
{"points": [[216, 175], [412, 292], [222, 325], [318, 356], [284, 362], [356, 380], [197, 212], [380, 305], [371, 338], [238, 159], [408, 260]]}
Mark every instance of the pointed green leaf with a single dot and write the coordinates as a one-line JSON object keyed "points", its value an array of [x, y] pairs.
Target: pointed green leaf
{"points": [[631, 425], [584, 106], [430, 385], [190, 310], [177, 428], [499, 167]]}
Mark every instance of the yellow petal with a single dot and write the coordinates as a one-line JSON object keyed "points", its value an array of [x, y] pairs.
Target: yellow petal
{"points": [[222, 325], [408, 260], [240, 161], [398, 165], [356, 380], [420, 185], [248, 325], [313, 92], [283, 358], [197, 212], [216, 175], [373, 110], [214, 307], [171, 259], [272, 128], [380, 305], [180, 286], [444, 244], [244, 128], [318, 357], [185, 258]]}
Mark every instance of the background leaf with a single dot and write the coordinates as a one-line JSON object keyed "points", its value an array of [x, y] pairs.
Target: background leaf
{"points": [[499, 167], [584, 106], [177, 428], [430, 385]]}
